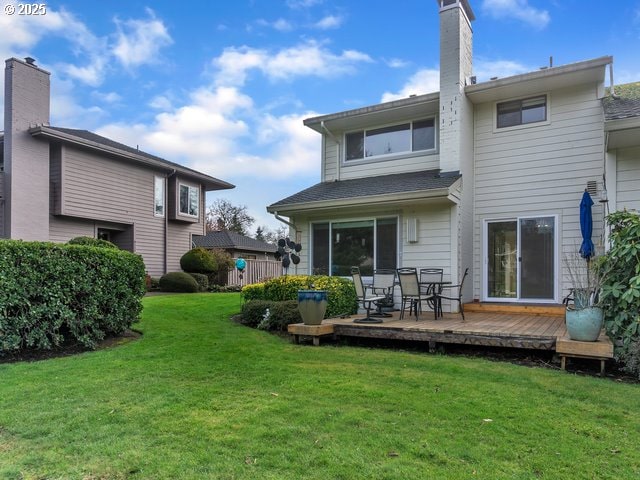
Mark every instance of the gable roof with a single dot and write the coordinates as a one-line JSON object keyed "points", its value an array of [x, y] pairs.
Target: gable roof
{"points": [[102, 144], [425, 183], [232, 240], [626, 103]]}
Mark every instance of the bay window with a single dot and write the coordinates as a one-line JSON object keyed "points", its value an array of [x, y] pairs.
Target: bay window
{"points": [[189, 200]]}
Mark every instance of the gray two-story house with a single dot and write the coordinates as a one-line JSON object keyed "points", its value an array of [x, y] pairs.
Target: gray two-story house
{"points": [[480, 175], [59, 183]]}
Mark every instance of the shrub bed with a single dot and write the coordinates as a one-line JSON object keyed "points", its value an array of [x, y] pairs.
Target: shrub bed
{"points": [[202, 280], [52, 294], [281, 314], [342, 299]]}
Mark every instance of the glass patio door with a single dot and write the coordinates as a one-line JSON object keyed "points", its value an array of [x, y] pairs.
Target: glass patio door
{"points": [[520, 259]]}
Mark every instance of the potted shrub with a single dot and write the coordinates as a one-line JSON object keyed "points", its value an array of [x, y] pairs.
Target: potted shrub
{"points": [[584, 318]]}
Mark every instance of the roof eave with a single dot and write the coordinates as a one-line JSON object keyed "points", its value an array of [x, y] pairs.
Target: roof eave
{"points": [[436, 194], [210, 183]]}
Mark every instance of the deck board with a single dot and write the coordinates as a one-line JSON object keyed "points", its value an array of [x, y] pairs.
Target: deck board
{"points": [[522, 329]]}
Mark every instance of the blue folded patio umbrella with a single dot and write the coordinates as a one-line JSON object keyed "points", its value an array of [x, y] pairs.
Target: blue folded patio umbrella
{"points": [[586, 226]]}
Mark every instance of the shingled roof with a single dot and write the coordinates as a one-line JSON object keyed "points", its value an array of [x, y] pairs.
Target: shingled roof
{"points": [[625, 105], [232, 240], [371, 186], [95, 141]]}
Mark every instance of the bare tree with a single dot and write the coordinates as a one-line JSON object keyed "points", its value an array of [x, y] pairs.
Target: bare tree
{"points": [[223, 215], [272, 236]]}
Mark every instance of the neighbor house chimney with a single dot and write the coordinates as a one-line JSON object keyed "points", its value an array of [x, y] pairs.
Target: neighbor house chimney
{"points": [[26, 160], [456, 112]]}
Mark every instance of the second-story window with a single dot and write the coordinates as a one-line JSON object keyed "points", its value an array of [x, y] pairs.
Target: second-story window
{"points": [[158, 196], [189, 200], [395, 139], [521, 112]]}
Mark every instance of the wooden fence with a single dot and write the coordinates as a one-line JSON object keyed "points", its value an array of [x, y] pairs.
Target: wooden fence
{"points": [[256, 271]]}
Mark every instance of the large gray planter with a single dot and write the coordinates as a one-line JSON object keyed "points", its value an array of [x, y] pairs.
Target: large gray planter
{"points": [[312, 305], [584, 324]]}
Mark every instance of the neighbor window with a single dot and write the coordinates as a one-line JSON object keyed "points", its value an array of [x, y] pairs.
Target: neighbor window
{"points": [[158, 196], [189, 200], [521, 112], [406, 137], [367, 244]]}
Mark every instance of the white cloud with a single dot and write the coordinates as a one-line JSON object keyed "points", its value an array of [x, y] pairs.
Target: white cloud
{"points": [[280, 24], [517, 9], [107, 97], [423, 81], [329, 22], [160, 102], [138, 42], [486, 69], [299, 4], [306, 59], [396, 63]]}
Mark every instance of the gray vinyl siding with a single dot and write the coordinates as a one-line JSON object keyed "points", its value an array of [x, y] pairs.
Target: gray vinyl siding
{"points": [[628, 179], [540, 169], [112, 192], [64, 229], [2, 204]]}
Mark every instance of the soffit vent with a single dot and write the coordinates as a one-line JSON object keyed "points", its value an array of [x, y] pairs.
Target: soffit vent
{"points": [[592, 188]]}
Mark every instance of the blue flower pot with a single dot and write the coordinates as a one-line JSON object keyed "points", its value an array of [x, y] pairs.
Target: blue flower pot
{"points": [[584, 324], [312, 305]]}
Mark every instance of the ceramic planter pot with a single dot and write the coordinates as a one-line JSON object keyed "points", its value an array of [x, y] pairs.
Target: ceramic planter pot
{"points": [[312, 305], [584, 324]]}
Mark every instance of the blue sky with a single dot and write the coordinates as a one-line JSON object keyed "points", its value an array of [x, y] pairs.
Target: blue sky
{"points": [[223, 86]]}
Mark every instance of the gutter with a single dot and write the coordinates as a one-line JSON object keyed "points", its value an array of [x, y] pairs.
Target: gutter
{"points": [[290, 224]]}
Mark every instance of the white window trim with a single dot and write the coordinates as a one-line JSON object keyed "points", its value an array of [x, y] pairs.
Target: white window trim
{"points": [[157, 178], [523, 125], [392, 156], [190, 187]]}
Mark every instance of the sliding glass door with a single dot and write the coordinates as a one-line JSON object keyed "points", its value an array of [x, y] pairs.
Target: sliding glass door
{"points": [[520, 259]]}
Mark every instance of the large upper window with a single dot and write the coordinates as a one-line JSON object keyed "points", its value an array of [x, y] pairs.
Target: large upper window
{"points": [[189, 200], [521, 112], [406, 137], [368, 244], [158, 196]]}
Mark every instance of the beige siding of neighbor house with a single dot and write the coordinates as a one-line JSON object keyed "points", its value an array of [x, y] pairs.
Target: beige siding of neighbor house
{"points": [[540, 169], [628, 179], [91, 192]]}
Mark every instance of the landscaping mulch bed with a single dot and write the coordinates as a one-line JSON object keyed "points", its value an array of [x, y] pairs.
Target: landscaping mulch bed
{"points": [[67, 350]]}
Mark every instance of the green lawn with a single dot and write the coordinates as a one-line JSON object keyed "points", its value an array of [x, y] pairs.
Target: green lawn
{"points": [[201, 397]]}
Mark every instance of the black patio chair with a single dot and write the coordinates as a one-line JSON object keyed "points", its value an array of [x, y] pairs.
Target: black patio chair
{"points": [[367, 300], [455, 294], [410, 291]]}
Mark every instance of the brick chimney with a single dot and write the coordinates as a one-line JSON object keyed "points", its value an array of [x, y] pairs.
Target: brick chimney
{"points": [[26, 160]]}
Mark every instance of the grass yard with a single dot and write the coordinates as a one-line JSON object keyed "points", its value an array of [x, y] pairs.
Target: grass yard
{"points": [[201, 397]]}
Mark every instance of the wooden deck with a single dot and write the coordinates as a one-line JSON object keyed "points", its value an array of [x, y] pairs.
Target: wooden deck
{"points": [[496, 329], [539, 327]]}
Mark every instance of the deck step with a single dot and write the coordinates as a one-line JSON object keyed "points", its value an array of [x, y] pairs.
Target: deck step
{"points": [[527, 309]]}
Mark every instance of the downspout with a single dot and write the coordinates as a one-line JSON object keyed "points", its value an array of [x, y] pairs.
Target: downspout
{"points": [[333, 137], [291, 225], [166, 219]]}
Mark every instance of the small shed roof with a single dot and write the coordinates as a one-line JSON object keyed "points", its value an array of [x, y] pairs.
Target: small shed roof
{"points": [[232, 240]]}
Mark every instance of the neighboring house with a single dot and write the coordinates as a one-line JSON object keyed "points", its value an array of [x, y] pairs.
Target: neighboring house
{"points": [[59, 183], [486, 176], [259, 256], [236, 245]]}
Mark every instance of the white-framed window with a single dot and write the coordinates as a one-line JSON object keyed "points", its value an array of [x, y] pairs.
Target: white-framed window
{"points": [[158, 196], [416, 136], [522, 111], [189, 200], [366, 243]]}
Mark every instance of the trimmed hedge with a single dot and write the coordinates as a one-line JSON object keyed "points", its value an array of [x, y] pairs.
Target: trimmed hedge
{"points": [[342, 299], [179, 282], [52, 293], [281, 314], [199, 260], [202, 280], [92, 242]]}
